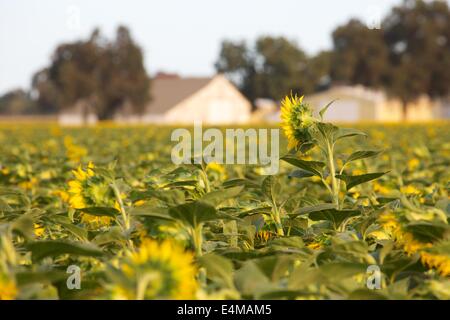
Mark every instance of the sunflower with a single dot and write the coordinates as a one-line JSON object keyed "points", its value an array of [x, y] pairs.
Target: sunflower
{"points": [[77, 197], [74, 152], [263, 236], [89, 189], [439, 261], [407, 241], [296, 119], [216, 171], [8, 289], [38, 230], [155, 271]]}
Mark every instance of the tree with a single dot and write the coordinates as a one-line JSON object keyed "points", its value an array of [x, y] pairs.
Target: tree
{"points": [[417, 34], [319, 70], [236, 61], [360, 55], [17, 102], [123, 76], [281, 66], [269, 69], [102, 75]]}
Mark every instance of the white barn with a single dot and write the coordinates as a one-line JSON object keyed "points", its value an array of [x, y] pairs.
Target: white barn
{"points": [[79, 114], [176, 100], [358, 103]]}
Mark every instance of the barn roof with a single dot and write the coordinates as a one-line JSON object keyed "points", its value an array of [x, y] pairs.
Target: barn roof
{"points": [[167, 92]]}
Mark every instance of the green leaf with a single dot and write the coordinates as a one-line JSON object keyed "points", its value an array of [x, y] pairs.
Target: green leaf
{"points": [[29, 277], [240, 182], [101, 211], [24, 226], [358, 155], [336, 271], [352, 181], [315, 167], [113, 234], [309, 209], [287, 243], [79, 232], [332, 272], [427, 231], [215, 198], [275, 267], [170, 197], [300, 173], [333, 215], [327, 130], [150, 211], [181, 184], [218, 269], [194, 213], [259, 210], [251, 280], [269, 187], [388, 246], [53, 248], [324, 109]]}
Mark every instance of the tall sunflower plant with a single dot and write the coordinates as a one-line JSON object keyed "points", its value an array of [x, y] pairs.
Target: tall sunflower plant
{"points": [[306, 131]]}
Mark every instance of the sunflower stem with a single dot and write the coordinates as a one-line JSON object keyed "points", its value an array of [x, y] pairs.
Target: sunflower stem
{"points": [[197, 239], [206, 181], [125, 216], [277, 219], [331, 168]]}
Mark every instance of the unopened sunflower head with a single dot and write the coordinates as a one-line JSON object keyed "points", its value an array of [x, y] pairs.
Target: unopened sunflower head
{"points": [[78, 187], [297, 119], [155, 271], [88, 189]]}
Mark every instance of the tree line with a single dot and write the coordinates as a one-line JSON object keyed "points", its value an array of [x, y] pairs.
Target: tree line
{"points": [[408, 56], [99, 74]]}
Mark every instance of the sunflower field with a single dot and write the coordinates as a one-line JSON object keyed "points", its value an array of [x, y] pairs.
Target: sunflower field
{"points": [[107, 201]]}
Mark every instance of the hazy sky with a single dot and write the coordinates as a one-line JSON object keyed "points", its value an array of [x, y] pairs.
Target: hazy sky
{"points": [[180, 36]]}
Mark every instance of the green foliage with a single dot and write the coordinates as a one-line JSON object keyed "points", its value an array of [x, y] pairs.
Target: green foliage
{"points": [[250, 236], [269, 68], [100, 76]]}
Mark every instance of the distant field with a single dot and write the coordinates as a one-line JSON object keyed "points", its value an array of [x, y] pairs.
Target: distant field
{"points": [[53, 215]]}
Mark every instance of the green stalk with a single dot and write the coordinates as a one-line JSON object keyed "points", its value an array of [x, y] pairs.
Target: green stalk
{"points": [[277, 219], [206, 181], [125, 217], [197, 239], [331, 168]]}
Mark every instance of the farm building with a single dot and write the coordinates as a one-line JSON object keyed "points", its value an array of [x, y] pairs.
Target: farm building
{"points": [[179, 100], [357, 103], [78, 114]]}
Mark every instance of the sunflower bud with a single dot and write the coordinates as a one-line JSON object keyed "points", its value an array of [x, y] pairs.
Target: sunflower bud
{"points": [[297, 119]]}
